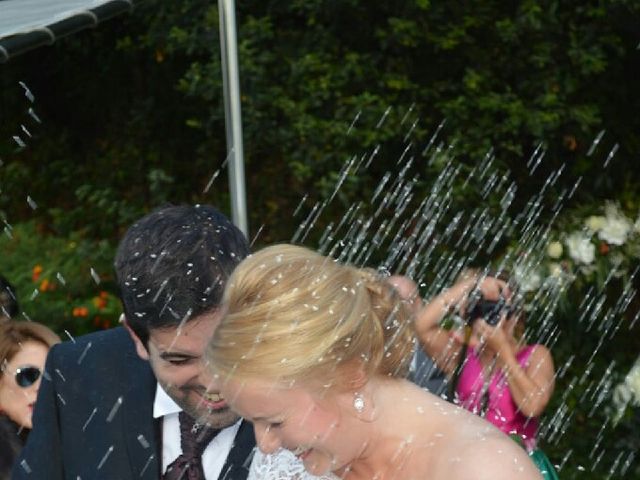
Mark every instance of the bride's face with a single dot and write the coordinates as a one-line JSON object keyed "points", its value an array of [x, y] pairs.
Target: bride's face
{"points": [[294, 419]]}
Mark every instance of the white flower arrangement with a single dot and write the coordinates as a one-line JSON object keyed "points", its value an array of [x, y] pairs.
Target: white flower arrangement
{"points": [[594, 223], [580, 248], [554, 250], [591, 248], [528, 280], [616, 227], [608, 243], [627, 392]]}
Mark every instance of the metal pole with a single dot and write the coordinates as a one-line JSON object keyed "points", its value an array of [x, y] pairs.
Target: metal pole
{"points": [[232, 112]]}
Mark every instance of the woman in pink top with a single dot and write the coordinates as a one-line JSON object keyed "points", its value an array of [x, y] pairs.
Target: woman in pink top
{"points": [[501, 378], [493, 399]]}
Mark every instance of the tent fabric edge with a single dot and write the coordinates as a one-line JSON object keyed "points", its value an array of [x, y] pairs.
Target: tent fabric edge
{"points": [[46, 35]]}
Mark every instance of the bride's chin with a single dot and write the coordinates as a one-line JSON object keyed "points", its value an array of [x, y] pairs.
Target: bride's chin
{"points": [[317, 468], [322, 466]]}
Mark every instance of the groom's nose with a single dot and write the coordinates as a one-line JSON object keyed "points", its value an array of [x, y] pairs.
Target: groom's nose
{"points": [[203, 376], [266, 440]]}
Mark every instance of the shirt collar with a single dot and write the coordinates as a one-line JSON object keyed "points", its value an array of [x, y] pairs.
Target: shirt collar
{"points": [[163, 404]]}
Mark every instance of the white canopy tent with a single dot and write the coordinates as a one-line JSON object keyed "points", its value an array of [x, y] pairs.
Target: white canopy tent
{"points": [[28, 24]]}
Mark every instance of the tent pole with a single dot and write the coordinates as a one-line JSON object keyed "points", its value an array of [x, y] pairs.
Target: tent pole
{"points": [[232, 113]]}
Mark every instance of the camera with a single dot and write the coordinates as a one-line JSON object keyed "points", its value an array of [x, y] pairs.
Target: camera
{"points": [[489, 310]]}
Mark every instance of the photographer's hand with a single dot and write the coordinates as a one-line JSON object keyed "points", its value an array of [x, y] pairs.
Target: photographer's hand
{"points": [[493, 288], [438, 342]]}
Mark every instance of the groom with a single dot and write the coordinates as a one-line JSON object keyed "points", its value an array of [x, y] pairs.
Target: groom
{"points": [[121, 404]]}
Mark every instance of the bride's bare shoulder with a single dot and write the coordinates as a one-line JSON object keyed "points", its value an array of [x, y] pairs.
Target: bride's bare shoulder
{"points": [[492, 456]]}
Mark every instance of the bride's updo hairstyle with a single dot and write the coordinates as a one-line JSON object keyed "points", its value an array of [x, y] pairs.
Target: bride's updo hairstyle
{"points": [[293, 315]]}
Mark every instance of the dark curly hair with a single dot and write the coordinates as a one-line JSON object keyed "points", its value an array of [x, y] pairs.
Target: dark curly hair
{"points": [[172, 265]]}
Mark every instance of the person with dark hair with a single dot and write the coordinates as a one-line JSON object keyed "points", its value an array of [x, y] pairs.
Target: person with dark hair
{"points": [[423, 372], [9, 307], [492, 370], [132, 402], [23, 350]]}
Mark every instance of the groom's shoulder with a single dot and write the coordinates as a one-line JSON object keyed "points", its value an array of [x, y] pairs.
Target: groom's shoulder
{"points": [[102, 346]]}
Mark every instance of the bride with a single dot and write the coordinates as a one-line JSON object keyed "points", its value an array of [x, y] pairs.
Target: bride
{"points": [[315, 354]]}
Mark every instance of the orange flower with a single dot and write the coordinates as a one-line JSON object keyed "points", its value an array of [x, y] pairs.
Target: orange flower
{"points": [[80, 312], [35, 274], [570, 143], [99, 302], [104, 294], [45, 285], [604, 248]]}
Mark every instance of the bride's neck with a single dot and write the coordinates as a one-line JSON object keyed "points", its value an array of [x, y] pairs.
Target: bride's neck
{"points": [[388, 441]]}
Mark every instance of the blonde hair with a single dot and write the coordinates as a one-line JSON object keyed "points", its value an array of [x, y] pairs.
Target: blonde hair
{"points": [[292, 314]]}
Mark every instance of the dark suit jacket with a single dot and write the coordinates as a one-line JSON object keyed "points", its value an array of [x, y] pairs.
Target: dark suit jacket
{"points": [[427, 375], [11, 441], [93, 419]]}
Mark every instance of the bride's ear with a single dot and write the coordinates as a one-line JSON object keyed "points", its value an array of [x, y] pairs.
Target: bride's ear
{"points": [[359, 398], [358, 376], [363, 405]]}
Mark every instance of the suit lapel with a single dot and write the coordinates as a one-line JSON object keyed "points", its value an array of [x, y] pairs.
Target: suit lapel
{"points": [[139, 427], [141, 432], [239, 459]]}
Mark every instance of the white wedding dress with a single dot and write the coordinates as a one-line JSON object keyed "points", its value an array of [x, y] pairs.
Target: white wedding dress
{"points": [[281, 465]]}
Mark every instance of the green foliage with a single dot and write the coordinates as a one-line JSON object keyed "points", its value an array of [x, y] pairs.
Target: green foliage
{"points": [[63, 282], [503, 75], [590, 356]]}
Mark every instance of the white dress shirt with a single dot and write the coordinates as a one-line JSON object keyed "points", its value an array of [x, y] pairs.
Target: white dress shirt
{"points": [[214, 455]]}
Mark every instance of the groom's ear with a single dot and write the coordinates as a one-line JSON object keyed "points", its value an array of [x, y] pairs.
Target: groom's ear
{"points": [[141, 348]]}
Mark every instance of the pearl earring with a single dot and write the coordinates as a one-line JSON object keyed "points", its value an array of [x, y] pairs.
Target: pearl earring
{"points": [[358, 403]]}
